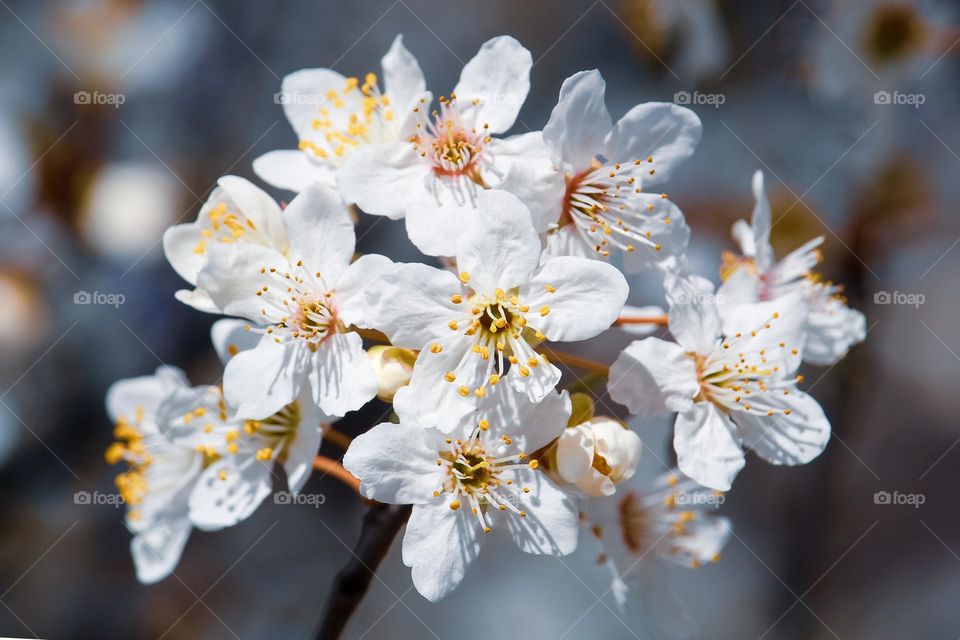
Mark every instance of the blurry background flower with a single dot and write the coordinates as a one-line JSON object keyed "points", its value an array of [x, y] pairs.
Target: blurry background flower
{"points": [[198, 80]]}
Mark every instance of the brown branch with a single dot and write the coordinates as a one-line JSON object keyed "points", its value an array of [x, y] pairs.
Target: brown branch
{"points": [[380, 526], [338, 438]]}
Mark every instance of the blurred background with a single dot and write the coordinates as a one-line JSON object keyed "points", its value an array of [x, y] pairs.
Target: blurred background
{"points": [[118, 116]]}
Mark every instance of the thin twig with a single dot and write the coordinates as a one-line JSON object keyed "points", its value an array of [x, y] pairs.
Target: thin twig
{"points": [[574, 361], [338, 438], [657, 320], [380, 526], [333, 468]]}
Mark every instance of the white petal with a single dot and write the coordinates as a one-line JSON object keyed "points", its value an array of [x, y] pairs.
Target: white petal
{"points": [[293, 170], [653, 377], [660, 221], [441, 203], [302, 451], [501, 249], [258, 207], [403, 79], [198, 299], [230, 336], [223, 501], [708, 447], [321, 232], [433, 401], [411, 304], [305, 92], [588, 298], [539, 382], [396, 463], [522, 165], [567, 241], [352, 287], [530, 425], [574, 454], [439, 545], [791, 439], [157, 550], [342, 377], [499, 77], [694, 319], [233, 277], [550, 526], [580, 123], [125, 398], [740, 288], [379, 178], [663, 130], [179, 242], [832, 329], [263, 380], [703, 539]]}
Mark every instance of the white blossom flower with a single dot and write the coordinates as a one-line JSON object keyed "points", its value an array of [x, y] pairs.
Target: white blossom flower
{"points": [[334, 116], [831, 329], [236, 213], [603, 203], [597, 455], [482, 475], [730, 392], [648, 526], [160, 477], [434, 175], [393, 366], [303, 306], [241, 454], [476, 329]]}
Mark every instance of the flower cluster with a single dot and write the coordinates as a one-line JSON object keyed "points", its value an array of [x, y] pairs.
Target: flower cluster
{"points": [[534, 233]]}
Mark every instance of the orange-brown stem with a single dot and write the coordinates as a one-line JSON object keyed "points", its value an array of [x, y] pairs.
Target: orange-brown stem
{"points": [[657, 320], [333, 468], [338, 438], [574, 361]]}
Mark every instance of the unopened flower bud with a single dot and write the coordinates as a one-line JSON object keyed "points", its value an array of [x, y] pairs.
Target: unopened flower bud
{"points": [[393, 367], [597, 455]]}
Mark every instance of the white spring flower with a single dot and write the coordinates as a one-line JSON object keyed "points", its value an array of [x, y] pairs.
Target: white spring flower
{"points": [[303, 305], [433, 177], [832, 328], [597, 455], [730, 391], [477, 475], [603, 204], [160, 476], [236, 213], [334, 116], [651, 524], [475, 329]]}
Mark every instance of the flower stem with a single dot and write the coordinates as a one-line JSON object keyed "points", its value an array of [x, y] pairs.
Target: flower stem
{"points": [[574, 361], [338, 438], [380, 526], [333, 468], [658, 320]]}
